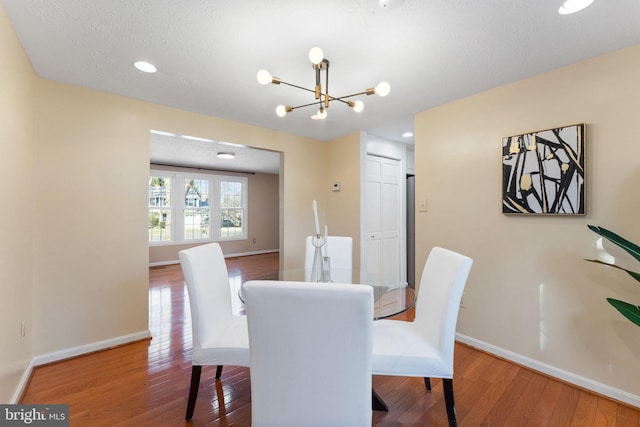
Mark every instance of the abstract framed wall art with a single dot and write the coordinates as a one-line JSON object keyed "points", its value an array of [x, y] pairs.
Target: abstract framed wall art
{"points": [[544, 172]]}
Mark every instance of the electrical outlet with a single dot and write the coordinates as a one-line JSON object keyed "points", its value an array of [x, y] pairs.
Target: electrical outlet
{"points": [[254, 240], [23, 329], [462, 301]]}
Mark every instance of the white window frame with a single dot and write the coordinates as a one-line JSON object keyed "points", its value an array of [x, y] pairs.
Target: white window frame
{"points": [[181, 207], [178, 206], [171, 209], [216, 209]]}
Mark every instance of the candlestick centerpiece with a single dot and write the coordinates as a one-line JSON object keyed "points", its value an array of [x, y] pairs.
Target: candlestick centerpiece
{"points": [[321, 267]]}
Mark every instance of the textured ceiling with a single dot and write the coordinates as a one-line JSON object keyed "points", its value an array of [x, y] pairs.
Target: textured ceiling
{"points": [[208, 51], [180, 150]]}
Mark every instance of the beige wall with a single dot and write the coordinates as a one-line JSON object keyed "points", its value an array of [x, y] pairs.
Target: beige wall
{"points": [[343, 207], [17, 209], [91, 251], [302, 180], [263, 214], [530, 292]]}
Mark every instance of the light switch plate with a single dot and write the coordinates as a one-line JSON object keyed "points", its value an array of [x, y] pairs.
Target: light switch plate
{"points": [[422, 205]]}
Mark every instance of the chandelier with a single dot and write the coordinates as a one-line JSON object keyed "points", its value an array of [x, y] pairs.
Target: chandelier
{"points": [[322, 99]]}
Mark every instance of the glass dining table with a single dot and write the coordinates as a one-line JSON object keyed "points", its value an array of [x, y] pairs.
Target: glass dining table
{"points": [[389, 300]]}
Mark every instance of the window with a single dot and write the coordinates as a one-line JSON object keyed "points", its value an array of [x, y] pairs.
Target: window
{"points": [[196, 212], [232, 207], [159, 208], [204, 208]]}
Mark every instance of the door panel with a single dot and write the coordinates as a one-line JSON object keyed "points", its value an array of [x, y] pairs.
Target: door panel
{"points": [[374, 194], [383, 220]]}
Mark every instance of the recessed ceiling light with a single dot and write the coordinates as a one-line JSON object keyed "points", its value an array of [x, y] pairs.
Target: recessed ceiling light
{"points": [[226, 155], [573, 6], [407, 134], [145, 66]]}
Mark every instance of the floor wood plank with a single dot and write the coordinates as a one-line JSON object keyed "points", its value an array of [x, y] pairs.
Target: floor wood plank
{"points": [[146, 383]]}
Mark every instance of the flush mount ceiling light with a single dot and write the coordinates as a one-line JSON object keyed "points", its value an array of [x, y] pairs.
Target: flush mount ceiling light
{"points": [[323, 99], [226, 155], [145, 66], [573, 6]]}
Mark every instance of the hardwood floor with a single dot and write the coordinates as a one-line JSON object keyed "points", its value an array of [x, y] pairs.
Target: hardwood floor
{"points": [[146, 383]]}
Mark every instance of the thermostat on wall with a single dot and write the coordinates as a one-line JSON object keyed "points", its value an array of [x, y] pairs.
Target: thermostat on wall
{"points": [[336, 186]]}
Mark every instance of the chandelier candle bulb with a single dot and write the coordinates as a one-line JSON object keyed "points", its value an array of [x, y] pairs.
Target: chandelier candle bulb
{"points": [[383, 89], [357, 106], [282, 111], [316, 55], [264, 77]]}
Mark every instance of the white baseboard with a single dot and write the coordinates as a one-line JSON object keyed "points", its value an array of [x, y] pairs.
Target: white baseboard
{"points": [[57, 356], [175, 261], [67, 353], [22, 385], [561, 374], [266, 251], [161, 263]]}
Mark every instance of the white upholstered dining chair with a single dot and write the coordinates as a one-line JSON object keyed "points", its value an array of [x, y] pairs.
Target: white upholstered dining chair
{"points": [[424, 347], [219, 338], [311, 353], [340, 252]]}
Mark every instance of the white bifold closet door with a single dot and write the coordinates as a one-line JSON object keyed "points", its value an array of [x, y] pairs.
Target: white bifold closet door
{"points": [[383, 220]]}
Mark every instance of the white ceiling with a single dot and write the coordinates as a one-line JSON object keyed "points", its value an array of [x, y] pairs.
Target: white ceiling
{"points": [[208, 51], [180, 150]]}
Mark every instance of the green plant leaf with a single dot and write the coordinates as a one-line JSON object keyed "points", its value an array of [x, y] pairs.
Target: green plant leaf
{"points": [[631, 248], [631, 273], [630, 311]]}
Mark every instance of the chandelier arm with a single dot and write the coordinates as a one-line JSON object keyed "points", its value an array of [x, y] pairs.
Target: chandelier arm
{"points": [[326, 87], [326, 95], [331, 98], [318, 87], [298, 87], [366, 92], [306, 105]]}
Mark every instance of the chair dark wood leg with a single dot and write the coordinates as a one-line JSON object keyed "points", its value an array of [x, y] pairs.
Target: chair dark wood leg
{"points": [[427, 383], [377, 404], [218, 372], [447, 384], [193, 391]]}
